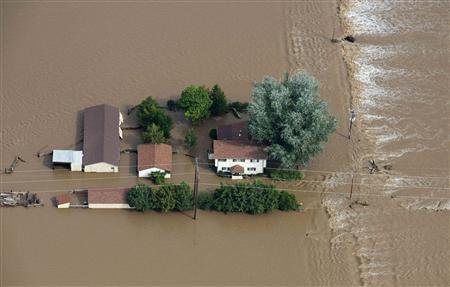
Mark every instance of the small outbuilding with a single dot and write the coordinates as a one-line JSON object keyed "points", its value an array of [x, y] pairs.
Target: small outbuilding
{"points": [[154, 158], [68, 158], [108, 198]]}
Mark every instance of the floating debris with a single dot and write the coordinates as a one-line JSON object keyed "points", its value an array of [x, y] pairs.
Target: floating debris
{"points": [[373, 167], [13, 165], [350, 39], [25, 199]]}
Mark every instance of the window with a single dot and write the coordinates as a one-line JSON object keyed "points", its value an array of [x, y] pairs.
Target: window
{"points": [[251, 168], [254, 160], [225, 168], [242, 160], [234, 160], [221, 159]]}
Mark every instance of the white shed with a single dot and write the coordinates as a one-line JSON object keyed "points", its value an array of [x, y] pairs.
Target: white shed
{"points": [[72, 158]]}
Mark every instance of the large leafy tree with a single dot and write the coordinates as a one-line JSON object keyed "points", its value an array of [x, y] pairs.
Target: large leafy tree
{"points": [[219, 101], [196, 103], [290, 118], [139, 197], [148, 113]]}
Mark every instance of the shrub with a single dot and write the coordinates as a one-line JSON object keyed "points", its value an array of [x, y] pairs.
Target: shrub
{"points": [[219, 104], [165, 198], [184, 198], [148, 112], [280, 174], [139, 197], [287, 201], [213, 134], [153, 134], [190, 140], [158, 177], [196, 103]]}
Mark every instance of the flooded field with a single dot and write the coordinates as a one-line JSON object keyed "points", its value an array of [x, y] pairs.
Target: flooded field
{"points": [[59, 58]]}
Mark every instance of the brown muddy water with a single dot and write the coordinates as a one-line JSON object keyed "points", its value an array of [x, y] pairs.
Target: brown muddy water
{"points": [[59, 57]]}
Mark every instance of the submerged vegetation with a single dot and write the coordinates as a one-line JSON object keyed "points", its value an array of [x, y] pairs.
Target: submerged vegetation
{"points": [[168, 197], [290, 117], [252, 198], [281, 174]]}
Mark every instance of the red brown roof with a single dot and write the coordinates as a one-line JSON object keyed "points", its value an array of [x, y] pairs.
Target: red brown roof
{"points": [[62, 199], [236, 131], [155, 155], [107, 195], [238, 150], [101, 141]]}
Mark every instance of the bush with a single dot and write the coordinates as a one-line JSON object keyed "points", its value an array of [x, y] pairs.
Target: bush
{"points": [[190, 140], [213, 134], [148, 113], [153, 134], [139, 197], [196, 103], [158, 177], [280, 174], [287, 202], [184, 198], [165, 198], [239, 106], [254, 198], [219, 101], [172, 105]]}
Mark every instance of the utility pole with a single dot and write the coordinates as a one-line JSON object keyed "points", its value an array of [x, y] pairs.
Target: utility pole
{"points": [[195, 188], [351, 187], [352, 119]]}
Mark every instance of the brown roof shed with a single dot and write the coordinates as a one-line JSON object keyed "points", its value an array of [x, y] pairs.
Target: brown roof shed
{"points": [[101, 141], [107, 195]]}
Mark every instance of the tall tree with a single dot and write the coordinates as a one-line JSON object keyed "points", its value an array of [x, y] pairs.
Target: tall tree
{"points": [[290, 118], [219, 101], [196, 103], [148, 113], [190, 140], [154, 135]]}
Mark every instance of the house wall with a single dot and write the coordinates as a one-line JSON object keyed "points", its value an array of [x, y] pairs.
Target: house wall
{"points": [[101, 167], [75, 167], [146, 172], [246, 164], [109, 205]]}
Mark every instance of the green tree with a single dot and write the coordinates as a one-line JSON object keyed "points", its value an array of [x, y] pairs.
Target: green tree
{"points": [[196, 103], [219, 101], [165, 198], [290, 118], [139, 197], [184, 197], [158, 177], [148, 113], [154, 135], [190, 140]]}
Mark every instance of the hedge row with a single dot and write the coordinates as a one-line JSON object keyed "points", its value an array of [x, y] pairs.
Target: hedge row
{"points": [[280, 174], [168, 197], [253, 198]]}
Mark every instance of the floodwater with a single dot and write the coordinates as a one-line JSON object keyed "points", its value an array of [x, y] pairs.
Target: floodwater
{"points": [[60, 57]]}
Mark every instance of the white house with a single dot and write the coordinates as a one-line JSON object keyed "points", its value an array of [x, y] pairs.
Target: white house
{"points": [[154, 158], [101, 139], [238, 158], [108, 198], [72, 158]]}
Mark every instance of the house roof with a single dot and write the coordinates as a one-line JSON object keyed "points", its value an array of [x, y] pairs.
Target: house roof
{"points": [[107, 195], [236, 131], [238, 150], [154, 155], [101, 141], [237, 169], [62, 199]]}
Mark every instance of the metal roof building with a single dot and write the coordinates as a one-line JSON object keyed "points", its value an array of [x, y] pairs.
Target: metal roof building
{"points": [[68, 157]]}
